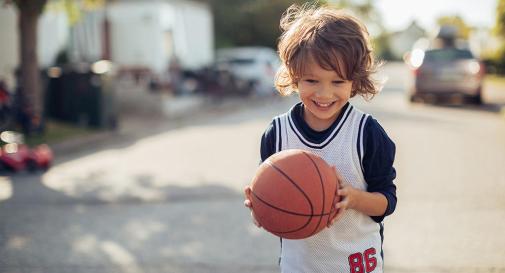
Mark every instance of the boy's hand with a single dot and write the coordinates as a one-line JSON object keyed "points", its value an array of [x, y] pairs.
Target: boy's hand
{"points": [[348, 197], [247, 203]]}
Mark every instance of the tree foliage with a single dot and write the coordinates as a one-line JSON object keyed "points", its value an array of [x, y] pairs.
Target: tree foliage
{"points": [[248, 22], [500, 18], [458, 22]]}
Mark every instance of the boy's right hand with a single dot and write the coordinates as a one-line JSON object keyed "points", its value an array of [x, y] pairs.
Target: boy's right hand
{"points": [[248, 203]]}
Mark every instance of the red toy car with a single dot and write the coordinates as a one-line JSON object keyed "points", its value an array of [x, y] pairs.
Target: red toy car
{"points": [[16, 156]]}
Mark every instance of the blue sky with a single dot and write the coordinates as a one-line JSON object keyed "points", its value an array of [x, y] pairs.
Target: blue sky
{"points": [[397, 14]]}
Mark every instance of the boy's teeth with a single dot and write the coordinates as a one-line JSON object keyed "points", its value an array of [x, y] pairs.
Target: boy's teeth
{"points": [[323, 104]]}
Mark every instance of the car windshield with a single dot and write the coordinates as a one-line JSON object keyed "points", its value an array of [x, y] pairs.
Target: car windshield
{"points": [[450, 54]]}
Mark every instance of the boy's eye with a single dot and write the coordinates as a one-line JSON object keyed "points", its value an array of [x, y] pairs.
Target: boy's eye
{"points": [[311, 81], [338, 82]]}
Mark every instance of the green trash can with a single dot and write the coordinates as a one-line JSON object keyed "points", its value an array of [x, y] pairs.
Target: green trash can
{"points": [[82, 95]]}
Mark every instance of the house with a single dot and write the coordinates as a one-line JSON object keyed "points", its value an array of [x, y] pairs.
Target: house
{"points": [[402, 41]]}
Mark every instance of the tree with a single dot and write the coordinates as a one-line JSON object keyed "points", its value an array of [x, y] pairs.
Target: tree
{"points": [[366, 11], [500, 18], [29, 83], [497, 59], [463, 30], [29, 76], [248, 22]]}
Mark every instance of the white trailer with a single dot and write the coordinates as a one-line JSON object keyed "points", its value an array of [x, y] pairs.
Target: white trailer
{"points": [[149, 34]]}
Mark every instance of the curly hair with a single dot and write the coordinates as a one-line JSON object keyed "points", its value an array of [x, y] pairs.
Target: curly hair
{"points": [[334, 39]]}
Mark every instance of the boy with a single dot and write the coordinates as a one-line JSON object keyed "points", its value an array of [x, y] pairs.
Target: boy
{"points": [[327, 59]]}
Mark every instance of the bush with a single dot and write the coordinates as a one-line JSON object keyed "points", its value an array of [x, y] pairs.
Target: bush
{"points": [[495, 63]]}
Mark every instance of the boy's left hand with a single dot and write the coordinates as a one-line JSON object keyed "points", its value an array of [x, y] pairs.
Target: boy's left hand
{"points": [[348, 196]]}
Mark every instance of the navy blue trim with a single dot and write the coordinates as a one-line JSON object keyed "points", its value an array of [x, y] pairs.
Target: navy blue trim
{"points": [[381, 231], [359, 142], [278, 135], [329, 141], [280, 254]]}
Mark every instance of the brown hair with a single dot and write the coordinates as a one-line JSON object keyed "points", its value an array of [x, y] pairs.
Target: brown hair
{"points": [[335, 40]]}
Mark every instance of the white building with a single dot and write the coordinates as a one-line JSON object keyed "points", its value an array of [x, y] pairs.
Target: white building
{"points": [[402, 41], [150, 33], [146, 34]]}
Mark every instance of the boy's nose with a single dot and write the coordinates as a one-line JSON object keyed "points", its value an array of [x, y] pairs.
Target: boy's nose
{"points": [[324, 92]]}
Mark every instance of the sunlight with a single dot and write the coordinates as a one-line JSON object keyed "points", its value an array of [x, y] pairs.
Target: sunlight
{"points": [[148, 168], [121, 257], [417, 57], [5, 188]]}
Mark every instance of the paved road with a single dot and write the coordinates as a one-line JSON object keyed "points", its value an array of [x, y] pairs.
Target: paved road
{"points": [[172, 202]]}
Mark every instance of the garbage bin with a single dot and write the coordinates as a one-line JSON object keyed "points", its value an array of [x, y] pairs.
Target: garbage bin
{"points": [[83, 95]]}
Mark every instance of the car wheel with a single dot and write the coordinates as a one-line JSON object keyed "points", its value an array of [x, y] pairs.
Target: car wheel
{"points": [[477, 99], [413, 98]]}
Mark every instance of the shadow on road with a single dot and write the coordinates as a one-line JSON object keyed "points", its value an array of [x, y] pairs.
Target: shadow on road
{"points": [[177, 229]]}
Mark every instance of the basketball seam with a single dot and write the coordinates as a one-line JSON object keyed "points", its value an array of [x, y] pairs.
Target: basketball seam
{"points": [[322, 188], [287, 211], [301, 190]]}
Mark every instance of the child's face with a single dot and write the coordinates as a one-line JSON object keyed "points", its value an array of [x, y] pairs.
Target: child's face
{"points": [[323, 94]]}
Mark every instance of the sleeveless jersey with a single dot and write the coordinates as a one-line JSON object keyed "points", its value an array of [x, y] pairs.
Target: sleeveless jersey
{"points": [[353, 243]]}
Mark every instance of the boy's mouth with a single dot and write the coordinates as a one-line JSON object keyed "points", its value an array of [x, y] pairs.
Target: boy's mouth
{"points": [[323, 104]]}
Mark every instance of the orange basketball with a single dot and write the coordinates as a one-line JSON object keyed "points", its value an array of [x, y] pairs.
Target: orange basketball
{"points": [[293, 193]]}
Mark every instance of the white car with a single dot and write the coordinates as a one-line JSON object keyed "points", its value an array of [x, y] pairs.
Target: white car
{"points": [[256, 65]]}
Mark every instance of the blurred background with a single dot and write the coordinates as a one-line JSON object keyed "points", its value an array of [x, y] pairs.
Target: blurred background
{"points": [[129, 128]]}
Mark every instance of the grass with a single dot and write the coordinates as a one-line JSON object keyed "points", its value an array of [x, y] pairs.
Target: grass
{"points": [[495, 79], [57, 131]]}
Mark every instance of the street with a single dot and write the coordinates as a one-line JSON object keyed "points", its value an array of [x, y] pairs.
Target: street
{"points": [[172, 201]]}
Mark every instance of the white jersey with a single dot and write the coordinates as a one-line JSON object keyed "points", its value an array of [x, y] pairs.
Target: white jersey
{"points": [[354, 243]]}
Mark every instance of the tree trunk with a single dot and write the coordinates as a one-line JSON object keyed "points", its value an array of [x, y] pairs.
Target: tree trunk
{"points": [[31, 103]]}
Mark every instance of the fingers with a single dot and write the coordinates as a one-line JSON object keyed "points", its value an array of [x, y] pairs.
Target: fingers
{"points": [[254, 219], [247, 193], [343, 191], [338, 216], [248, 204], [342, 205]]}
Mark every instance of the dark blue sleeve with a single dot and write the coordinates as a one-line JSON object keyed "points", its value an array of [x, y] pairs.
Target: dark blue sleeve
{"points": [[378, 158], [268, 142]]}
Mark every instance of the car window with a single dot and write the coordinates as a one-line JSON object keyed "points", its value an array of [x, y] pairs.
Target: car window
{"points": [[451, 54]]}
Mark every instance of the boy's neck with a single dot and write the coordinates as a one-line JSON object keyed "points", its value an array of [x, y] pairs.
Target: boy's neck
{"points": [[316, 124]]}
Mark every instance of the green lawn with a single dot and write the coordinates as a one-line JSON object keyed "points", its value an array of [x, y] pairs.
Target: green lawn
{"points": [[57, 131]]}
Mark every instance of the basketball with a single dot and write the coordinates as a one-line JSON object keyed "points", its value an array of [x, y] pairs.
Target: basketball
{"points": [[292, 194]]}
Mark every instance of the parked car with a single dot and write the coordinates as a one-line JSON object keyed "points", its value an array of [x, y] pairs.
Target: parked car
{"points": [[257, 65], [446, 72]]}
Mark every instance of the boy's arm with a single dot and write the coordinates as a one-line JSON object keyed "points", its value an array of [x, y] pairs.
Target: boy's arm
{"points": [[379, 199], [370, 203], [267, 147], [378, 158]]}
